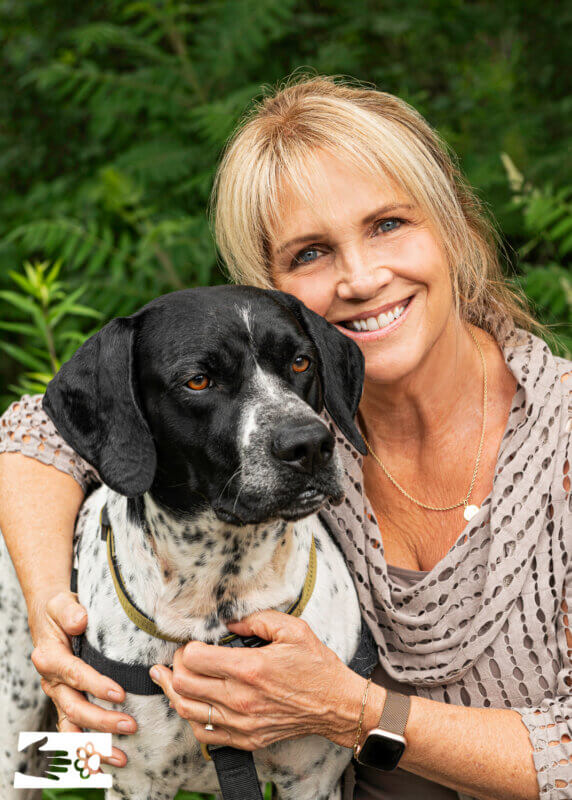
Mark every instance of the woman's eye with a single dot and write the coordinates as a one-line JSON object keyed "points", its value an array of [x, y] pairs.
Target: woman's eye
{"points": [[386, 225], [301, 364], [199, 382], [306, 256]]}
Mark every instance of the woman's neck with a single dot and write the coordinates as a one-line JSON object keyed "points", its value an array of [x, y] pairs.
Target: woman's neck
{"points": [[426, 405]]}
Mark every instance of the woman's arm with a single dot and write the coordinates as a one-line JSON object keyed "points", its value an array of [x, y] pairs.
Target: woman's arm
{"points": [[296, 686], [42, 502]]}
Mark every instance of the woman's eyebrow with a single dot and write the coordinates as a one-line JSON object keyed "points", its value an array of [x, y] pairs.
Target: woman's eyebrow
{"points": [[387, 209], [365, 221]]}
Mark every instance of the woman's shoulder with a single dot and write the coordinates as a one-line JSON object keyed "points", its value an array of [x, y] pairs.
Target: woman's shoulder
{"points": [[539, 370]]}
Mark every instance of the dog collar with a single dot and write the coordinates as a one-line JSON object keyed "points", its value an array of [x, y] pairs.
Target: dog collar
{"points": [[148, 625]]}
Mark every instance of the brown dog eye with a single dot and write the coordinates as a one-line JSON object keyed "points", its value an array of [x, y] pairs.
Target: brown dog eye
{"points": [[198, 382], [301, 364]]}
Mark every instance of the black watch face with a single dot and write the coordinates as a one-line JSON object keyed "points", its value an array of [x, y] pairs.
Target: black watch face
{"points": [[381, 752]]}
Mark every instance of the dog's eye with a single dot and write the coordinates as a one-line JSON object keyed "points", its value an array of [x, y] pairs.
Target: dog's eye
{"points": [[300, 364], [199, 382]]}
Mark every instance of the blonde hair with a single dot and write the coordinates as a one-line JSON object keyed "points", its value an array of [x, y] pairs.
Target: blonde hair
{"points": [[376, 132]]}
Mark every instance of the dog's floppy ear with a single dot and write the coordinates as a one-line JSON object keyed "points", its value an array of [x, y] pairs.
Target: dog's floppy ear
{"points": [[341, 367], [92, 402]]}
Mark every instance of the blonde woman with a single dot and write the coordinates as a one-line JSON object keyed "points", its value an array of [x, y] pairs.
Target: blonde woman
{"points": [[457, 524]]}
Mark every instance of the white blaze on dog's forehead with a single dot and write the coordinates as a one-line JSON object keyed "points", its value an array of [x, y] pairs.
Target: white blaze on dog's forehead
{"points": [[246, 313], [249, 425], [265, 388], [268, 385], [268, 393]]}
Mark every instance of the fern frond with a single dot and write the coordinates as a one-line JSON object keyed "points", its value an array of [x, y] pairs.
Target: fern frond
{"points": [[79, 83], [105, 36], [79, 245], [234, 32], [159, 161], [214, 122]]}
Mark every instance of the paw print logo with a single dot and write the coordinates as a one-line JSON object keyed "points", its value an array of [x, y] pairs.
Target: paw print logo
{"points": [[87, 761]]}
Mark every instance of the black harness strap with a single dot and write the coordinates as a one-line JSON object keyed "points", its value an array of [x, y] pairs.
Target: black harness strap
{"points": [[133, 677], [236, 773]]}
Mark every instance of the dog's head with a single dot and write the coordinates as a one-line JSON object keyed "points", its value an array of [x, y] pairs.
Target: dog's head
{"points": [[211, 396]]}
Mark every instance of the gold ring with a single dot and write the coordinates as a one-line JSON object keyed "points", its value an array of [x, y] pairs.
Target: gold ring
{"points": [[209, 725]]}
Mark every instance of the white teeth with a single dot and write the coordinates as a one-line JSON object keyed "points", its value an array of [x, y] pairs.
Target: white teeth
{"points": [[374, 323]]}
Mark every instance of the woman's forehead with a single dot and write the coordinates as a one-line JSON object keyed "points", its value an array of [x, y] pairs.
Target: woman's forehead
{"points": [[330, 192]]}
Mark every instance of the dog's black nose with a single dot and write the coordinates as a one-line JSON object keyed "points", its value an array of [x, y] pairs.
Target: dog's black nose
{"points": [[305, 448]]}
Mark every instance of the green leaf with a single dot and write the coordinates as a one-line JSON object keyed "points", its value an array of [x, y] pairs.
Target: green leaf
{"points": [[22, 356], [19, 327], [17, 300], [563, 227], [566, 246]]}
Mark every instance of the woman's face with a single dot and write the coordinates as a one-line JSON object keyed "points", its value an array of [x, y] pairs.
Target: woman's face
{"points": [[362, 254]]}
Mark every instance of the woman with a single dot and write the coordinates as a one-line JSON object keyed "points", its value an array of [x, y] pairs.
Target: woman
{"points": [[347, 199]]}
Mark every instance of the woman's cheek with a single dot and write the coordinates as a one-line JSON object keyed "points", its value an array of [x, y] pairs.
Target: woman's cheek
{"points": [[315, 291]]}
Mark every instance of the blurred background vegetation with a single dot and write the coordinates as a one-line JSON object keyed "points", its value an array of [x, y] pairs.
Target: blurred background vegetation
{"points": [[113, 115]]}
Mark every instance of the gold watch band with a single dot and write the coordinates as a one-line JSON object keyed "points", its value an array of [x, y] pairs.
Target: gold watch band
{"points": [[395, 712]]}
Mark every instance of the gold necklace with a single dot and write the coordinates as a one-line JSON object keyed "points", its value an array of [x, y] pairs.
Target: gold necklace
{"points": [[470, 510]]}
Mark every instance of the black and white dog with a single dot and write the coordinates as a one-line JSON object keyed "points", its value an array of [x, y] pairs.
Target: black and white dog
{"points": [[201, 414]]}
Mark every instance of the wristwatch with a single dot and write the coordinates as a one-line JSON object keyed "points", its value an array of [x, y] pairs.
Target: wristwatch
{"points": [[384, 745]]}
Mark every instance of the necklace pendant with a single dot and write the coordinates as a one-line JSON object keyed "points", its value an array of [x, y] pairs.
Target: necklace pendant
{"points": [[470, 512]]}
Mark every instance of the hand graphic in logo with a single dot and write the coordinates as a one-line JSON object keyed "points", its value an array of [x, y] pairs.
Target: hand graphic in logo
{"points": [[50, 761], [87, 761]]}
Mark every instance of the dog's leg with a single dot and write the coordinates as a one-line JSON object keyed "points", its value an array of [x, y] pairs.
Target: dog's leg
{"points": [[304, 769], [308, 789], [143, 789], [23, 704]]}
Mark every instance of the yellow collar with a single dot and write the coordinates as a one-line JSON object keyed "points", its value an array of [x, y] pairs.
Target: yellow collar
{"points": [[148, 625]]}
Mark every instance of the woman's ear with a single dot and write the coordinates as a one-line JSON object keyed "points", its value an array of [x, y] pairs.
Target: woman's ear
{"points": [[92, 402], [341, 367]]}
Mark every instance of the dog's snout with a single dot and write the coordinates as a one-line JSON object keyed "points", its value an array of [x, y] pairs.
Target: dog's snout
{"points": [[305, 448]]}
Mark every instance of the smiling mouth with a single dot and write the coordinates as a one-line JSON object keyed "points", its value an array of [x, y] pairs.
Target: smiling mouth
{"points": [[374, 323]]}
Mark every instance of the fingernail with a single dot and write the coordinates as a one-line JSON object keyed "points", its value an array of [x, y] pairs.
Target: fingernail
{"points": [[115, 761], [125, 726], [155, 675], [114, 695], [77, 618]]}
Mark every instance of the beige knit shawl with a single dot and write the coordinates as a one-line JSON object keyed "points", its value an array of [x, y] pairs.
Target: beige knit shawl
{"points": [[485, 626]]}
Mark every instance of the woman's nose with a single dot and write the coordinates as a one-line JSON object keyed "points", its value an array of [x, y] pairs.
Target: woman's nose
{"points": [[361, 275]]}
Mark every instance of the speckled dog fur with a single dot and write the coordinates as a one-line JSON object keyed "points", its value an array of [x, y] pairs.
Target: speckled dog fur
{"points": [[192, 573]]}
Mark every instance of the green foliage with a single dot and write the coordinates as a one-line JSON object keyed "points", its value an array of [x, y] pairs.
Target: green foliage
{"points": [[113, 116], [545, 253], [44, 316]]}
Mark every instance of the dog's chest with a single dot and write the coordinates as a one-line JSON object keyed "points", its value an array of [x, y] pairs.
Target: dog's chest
{"points": [[332, 612]]}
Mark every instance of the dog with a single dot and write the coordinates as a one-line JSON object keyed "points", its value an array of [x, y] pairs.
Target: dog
{"points": [[203, 414]]}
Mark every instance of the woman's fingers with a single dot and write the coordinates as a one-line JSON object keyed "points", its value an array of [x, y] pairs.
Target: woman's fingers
{"points": [[67, 613], [64, 676], [53, 657], [64, 725], [233, 724], [76, 710], [56, 664]]}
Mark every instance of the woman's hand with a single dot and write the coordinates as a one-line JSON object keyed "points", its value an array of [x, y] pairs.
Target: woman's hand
{"points": [[293, 687], [64, 676]]}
